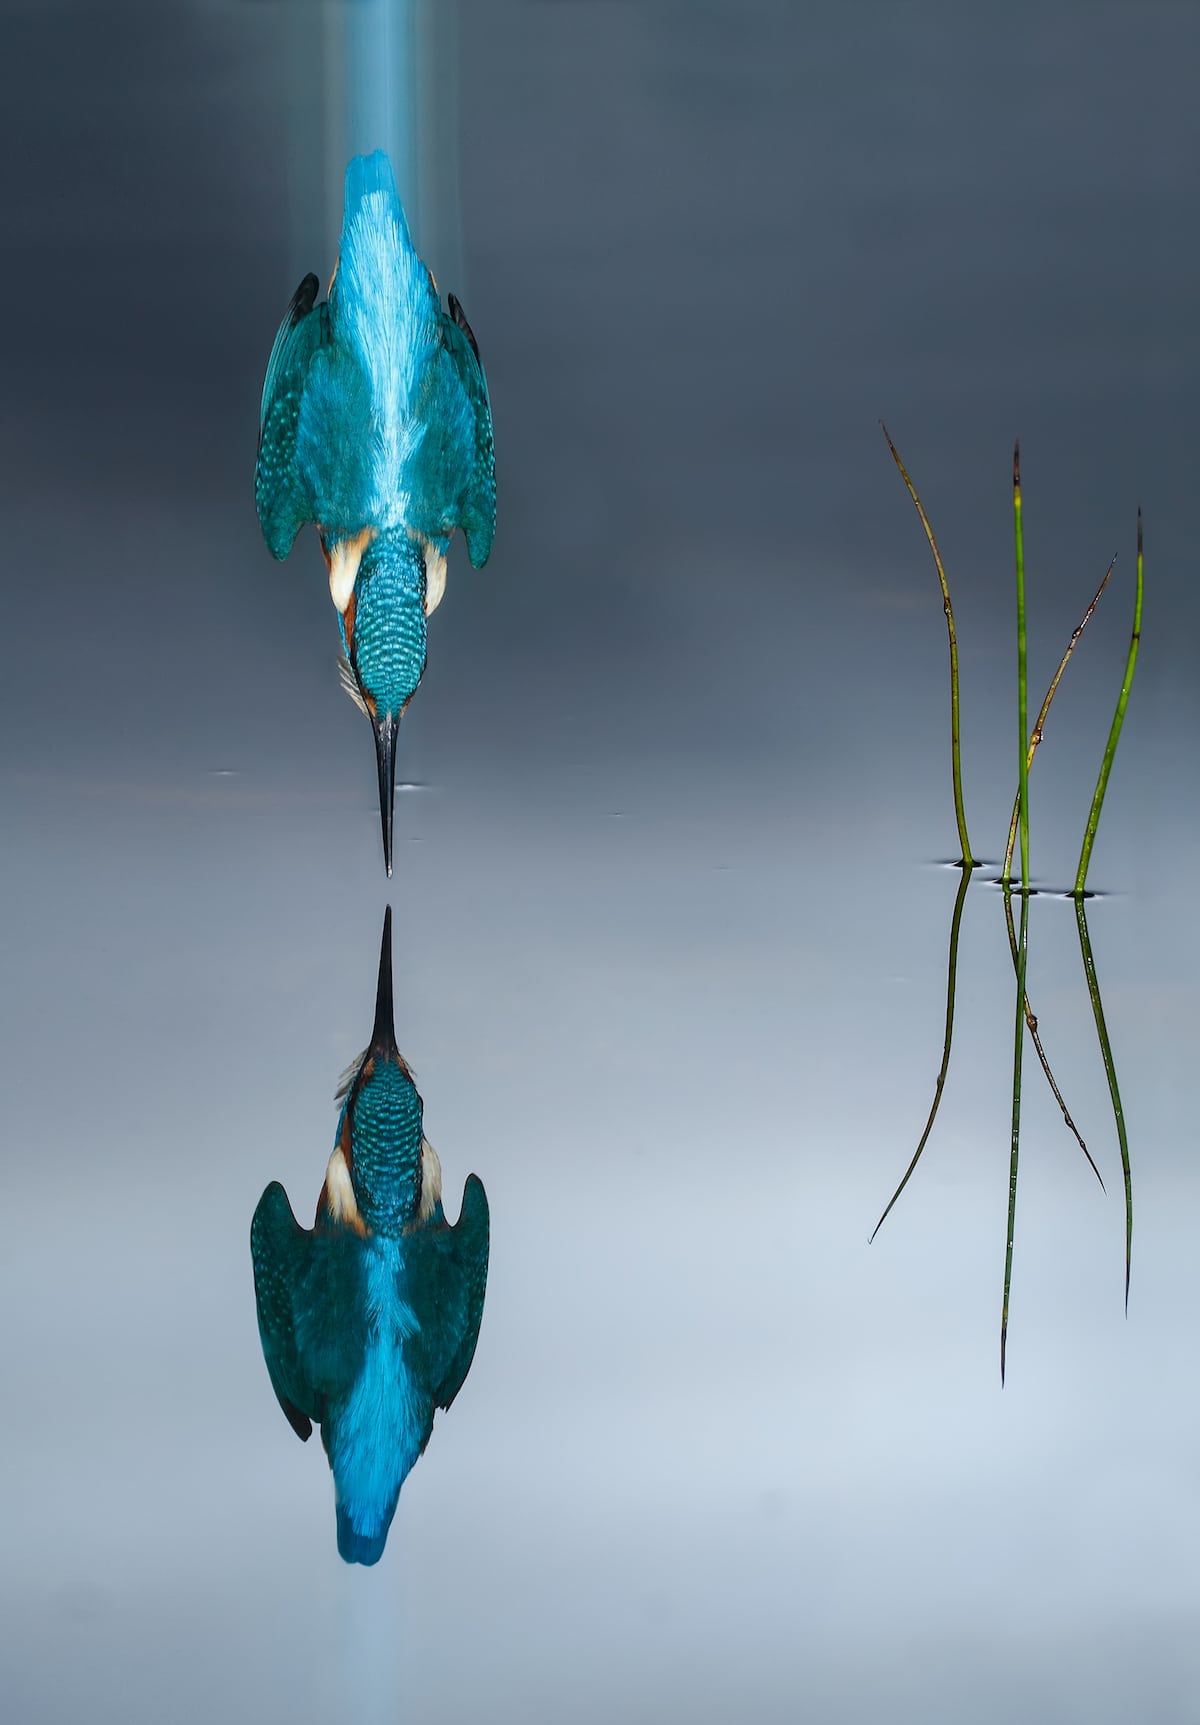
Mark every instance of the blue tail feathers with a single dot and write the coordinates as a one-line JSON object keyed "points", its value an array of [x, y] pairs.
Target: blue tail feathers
{"points": [[355, 1547], [367, 174]]}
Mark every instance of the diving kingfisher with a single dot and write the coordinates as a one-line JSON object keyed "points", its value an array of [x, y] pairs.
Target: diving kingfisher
{"points": [[376, 426], [369, 1319]]}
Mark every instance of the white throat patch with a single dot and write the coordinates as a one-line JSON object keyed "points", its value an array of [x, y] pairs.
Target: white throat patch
{"points": [[431, 1181], [344, 560], [339, 1190], [435, 578]]}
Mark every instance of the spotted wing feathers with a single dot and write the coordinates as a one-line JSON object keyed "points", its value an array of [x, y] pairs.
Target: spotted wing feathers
{"points": [[282, 493], [375, 409], [308, 1287], [476, 513], [280, 1250], [447, 1281]]}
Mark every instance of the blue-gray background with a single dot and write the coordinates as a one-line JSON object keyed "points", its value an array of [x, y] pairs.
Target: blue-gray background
{"points": [[669, 948]]}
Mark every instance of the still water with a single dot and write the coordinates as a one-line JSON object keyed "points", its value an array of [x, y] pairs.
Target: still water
{"points": [[670, 937]]}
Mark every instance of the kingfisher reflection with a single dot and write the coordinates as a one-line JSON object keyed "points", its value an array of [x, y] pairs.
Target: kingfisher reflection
{"points": [[369, 1319]]}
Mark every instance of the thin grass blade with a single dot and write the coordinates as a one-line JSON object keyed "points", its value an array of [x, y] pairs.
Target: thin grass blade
{"points": [[1035, 1036], [1114, 734], [1039, 724], [968, 861], [951, 984], [1022, 682], [1110, 1071], [1034, 740], [1014, 1156]]}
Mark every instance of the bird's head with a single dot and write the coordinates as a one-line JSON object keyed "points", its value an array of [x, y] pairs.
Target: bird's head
{"points": [[378, 582], [381, 1176]]}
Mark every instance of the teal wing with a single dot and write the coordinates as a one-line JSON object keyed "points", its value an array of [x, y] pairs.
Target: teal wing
{"points": [[457, 457], [282, 491], [479, 500], [281, 1252], [447, 1281], [333, 448], [311, 1320]]}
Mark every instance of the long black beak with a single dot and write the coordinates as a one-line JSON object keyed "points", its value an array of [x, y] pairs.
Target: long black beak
{"points": [[383, 1034], [385, 756]]}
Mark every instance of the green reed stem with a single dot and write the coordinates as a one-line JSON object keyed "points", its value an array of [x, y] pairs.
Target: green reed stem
{"points": [[951, 983], [1110, 1070], [968, 862], [1034, 740], [1022, 682], [1114, 734], [1039, 724], [1035, 1037], [1018, 1048]]}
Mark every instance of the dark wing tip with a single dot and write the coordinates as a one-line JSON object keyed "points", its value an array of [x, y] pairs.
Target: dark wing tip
{"points": [[304, 298], [300, 1423], [475, 1201], [460, 318]]}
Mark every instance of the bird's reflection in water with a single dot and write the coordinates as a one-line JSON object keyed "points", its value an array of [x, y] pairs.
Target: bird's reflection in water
{"points": [[369, 1320]]}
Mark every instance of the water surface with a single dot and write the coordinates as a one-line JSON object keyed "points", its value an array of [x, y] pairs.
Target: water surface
{"points": [[671, 971]]}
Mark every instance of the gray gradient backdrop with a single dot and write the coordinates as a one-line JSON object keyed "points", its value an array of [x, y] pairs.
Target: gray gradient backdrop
{"points": [[670, 950]]}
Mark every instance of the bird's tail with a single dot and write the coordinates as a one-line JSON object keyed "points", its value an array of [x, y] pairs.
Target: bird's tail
{"points": [[365, 176], [384, 302], [356, 1547]]}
